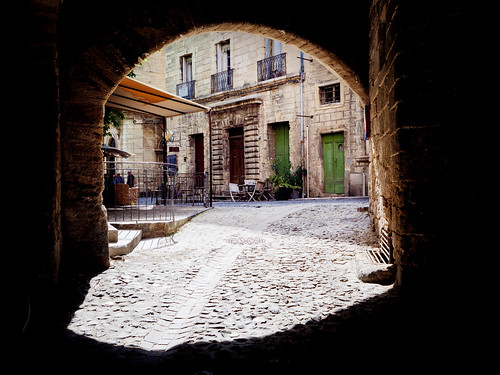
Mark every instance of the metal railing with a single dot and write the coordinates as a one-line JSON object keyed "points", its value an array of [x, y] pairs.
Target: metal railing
{"points": [[191, 188], [222, 81], [271, 67], [186, 90], [140, 191]]}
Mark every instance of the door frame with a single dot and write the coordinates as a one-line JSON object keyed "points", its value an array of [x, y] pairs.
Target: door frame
{"points": [[285, 128], [236, 134], [337, 140]]}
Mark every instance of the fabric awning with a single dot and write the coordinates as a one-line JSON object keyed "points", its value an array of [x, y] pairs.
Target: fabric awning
{"points": [[136, 96]]}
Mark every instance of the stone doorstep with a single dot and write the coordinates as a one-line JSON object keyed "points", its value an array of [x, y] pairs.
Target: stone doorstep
{"points": [[127, 241]]}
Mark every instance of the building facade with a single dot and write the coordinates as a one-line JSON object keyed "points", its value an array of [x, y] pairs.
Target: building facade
{"points": [[269, 103]]}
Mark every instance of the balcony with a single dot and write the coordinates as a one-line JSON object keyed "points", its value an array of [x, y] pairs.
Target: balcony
{"points": [[222, 81], [271, 67], [186, 90]]}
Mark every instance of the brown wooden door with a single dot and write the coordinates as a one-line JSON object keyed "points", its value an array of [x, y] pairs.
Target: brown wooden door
{"points": [[199, 153], [237, 160]]}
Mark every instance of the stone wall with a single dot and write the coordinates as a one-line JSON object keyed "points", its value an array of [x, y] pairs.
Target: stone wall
{"points": [[37, 214], [255, 106], [140, 135], [418, 153], [345, 116], [245, 114]]}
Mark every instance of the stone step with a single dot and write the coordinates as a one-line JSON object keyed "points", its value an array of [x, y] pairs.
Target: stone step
{"points": [[112, 234], [127, 241]]}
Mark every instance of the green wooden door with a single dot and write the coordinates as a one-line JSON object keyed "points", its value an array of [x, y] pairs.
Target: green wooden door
{"points": [[333, 161], [281, 139]]}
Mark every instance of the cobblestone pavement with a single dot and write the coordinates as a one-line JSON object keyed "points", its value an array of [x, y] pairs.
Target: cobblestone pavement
{"points": [[234, 274]]}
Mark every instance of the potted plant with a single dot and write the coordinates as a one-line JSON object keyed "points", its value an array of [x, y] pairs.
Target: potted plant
{"points": [[283, 180], [296, 181]]}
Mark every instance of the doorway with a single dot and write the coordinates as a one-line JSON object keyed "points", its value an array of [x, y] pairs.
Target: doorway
{"points": [[333, 162], [199, 160], [282, 143], [236, 156], [199, 153]]}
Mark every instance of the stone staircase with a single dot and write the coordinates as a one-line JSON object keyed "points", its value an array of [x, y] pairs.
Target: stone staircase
{"points": [[122, 242]]}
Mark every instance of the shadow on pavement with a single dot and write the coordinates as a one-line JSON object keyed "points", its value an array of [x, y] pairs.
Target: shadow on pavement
{"points": [[382, 333]]}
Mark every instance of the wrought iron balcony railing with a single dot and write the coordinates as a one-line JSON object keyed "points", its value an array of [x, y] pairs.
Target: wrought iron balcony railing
{"points": [[222, 81], [186, 90], [271, 67]]}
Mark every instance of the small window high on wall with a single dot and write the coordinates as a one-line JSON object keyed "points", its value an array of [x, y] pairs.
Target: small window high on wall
{"points": [[329, 94]]}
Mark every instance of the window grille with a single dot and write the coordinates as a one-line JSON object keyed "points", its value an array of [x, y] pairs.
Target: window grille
{"points": [[329, 94]]}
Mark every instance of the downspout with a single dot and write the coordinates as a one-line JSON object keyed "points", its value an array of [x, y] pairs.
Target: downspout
{"points": [[307, 160], [165, 168], [164, 143], [302, 117], [210, 150]]}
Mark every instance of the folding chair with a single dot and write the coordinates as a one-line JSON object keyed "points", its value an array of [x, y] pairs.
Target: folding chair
{"points": [[234, 191], [259, 191], [250, 188]]}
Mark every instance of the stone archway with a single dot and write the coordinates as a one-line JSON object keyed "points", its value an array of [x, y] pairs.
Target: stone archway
{"points": [[408, 56], [99, 44]]}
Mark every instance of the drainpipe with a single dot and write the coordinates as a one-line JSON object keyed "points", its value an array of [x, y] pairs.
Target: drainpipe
{"points": [[364, 182], [307, 159], [302, 117], [210, 149], [165, 159]]}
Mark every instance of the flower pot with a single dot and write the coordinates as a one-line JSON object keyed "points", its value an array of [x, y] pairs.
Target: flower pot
{"points": [[283, 193], [295, 194]]}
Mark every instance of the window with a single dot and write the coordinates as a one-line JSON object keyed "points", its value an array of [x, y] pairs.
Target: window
{"points": [[186, 68], [223, 79], [274, 65], [273, 47], [329, 94], [223, 56], [186, 88]]}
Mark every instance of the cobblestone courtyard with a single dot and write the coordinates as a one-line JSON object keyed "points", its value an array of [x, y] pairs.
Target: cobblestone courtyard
{"points": [[237, 271], [233, 276]]}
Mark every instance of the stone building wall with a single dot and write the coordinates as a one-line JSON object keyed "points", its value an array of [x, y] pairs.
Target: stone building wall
{"points": [[346, 117], [256, 107], [140, 135]]}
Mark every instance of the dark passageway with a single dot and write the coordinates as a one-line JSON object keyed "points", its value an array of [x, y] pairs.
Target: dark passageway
{"points": [[402, 58]]}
